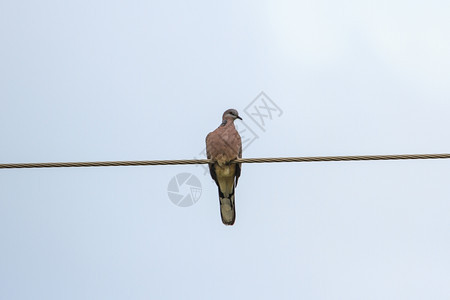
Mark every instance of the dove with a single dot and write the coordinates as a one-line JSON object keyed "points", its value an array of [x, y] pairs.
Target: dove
{"points": [[224, 145]]}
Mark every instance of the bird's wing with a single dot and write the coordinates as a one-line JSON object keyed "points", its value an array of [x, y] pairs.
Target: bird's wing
{"points": [[239, 166], [208, 155]]}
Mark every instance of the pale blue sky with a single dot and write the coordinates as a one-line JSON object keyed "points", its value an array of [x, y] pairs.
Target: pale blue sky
{"points": [[115, 80]]}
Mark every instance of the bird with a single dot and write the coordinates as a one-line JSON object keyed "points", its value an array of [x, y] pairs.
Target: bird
{"points": [[224, 145]]}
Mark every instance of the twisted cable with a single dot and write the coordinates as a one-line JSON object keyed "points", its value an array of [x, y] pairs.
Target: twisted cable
{"points": [[205, 161]]}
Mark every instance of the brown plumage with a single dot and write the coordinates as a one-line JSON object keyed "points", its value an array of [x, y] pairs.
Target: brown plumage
{"points": [[222, 146]]}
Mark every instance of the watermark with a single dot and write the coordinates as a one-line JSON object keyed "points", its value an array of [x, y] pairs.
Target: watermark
{"points": [[184, 189], [262, 109], [260, 112]]}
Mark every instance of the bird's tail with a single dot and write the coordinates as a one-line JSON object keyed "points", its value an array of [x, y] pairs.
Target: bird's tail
{"points": [[227, 210]]}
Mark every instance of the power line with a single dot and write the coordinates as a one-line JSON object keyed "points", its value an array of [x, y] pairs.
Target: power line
{"points": [[205, 161]]}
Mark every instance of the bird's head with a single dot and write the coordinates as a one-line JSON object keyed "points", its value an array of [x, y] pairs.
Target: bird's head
{"points": [[231, 114]]}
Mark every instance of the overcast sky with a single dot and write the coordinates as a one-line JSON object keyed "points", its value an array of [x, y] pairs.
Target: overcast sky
{"points": [[136, 80]]}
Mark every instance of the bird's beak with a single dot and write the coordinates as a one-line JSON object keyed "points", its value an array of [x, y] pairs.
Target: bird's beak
{"points": [[239, 118]]}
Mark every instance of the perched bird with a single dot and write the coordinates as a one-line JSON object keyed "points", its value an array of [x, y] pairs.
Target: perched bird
{"points": [[222, 146]]}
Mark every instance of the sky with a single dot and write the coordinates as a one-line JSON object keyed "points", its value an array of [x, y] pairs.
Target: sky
{"points": [[148, 80]]}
